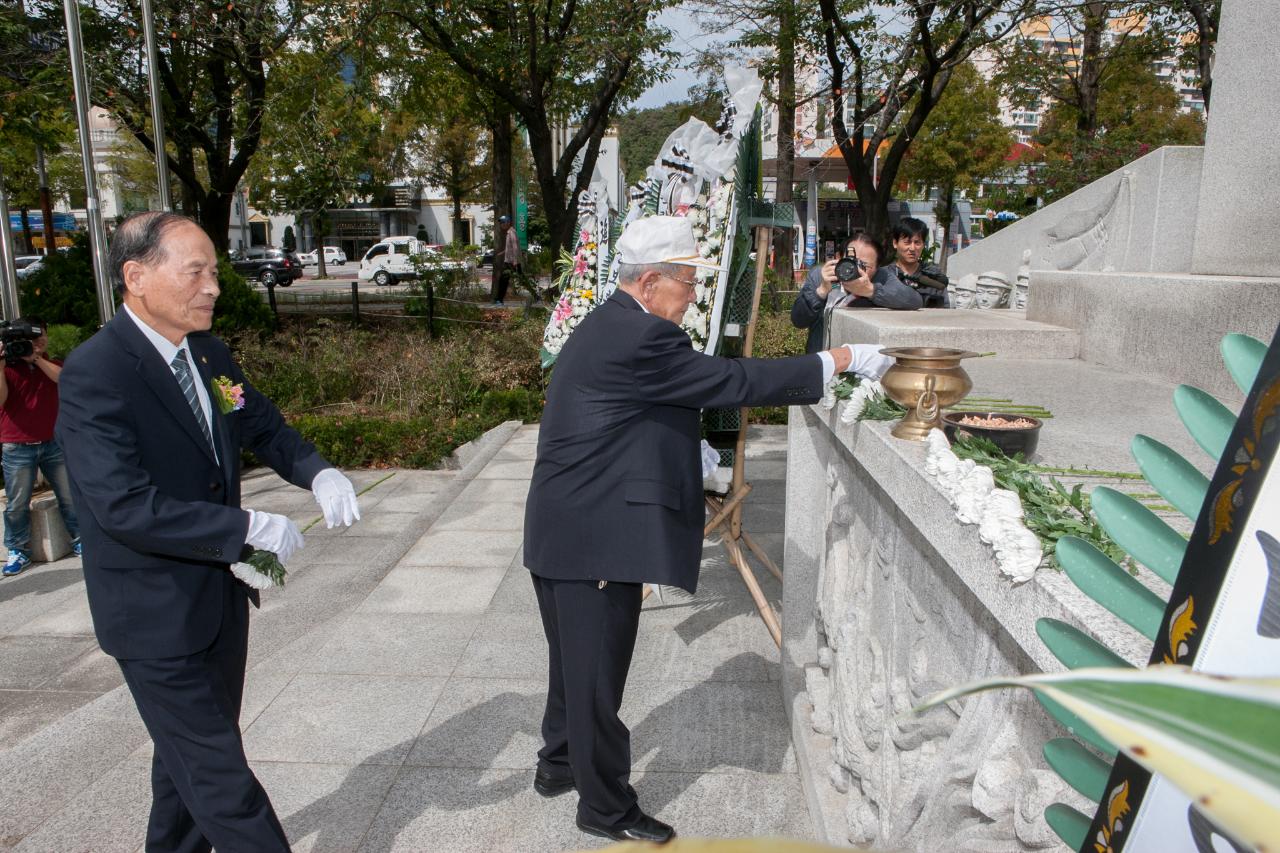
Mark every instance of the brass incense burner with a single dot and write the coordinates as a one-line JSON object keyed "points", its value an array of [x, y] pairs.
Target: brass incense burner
{"points": [[925, 380]]}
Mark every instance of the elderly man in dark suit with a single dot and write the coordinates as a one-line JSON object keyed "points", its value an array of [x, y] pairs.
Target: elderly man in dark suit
{"points": [[152, 431], [616, 502]]}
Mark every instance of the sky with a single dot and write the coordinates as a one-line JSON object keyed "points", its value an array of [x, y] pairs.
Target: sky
{"points": [[686, 37]]}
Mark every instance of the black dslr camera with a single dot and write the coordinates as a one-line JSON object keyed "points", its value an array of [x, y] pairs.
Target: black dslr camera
{"points": [[850, 268], [18, 337]]}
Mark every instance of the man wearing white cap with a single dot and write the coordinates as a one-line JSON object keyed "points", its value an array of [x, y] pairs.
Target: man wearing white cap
{"points": [[616, 502]]}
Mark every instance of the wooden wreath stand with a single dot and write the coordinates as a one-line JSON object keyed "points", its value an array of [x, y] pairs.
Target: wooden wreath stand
{"points": [[726, 512]]}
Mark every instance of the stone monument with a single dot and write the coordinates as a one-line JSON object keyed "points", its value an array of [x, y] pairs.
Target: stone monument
{"points": [[888, 597]]}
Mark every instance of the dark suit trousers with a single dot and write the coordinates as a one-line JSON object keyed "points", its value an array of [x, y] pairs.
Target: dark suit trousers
{"points": [[203, 793], [591, 633]]}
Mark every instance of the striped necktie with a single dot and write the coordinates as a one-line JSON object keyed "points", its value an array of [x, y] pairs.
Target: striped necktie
{"points": [[182, 369]]}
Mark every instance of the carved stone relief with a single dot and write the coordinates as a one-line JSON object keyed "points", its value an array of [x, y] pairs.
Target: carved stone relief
{"points": [[894, 627]]}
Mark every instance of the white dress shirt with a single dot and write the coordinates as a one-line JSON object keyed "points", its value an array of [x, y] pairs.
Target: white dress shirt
{"points": [[168, 352]]}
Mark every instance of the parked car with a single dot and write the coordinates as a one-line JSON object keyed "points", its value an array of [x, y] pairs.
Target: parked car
{"points": [[28, 265], [396, 259], [268, 266], [332, 255]]}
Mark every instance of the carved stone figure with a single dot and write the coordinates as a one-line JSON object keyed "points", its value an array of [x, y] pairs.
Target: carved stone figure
{"points": [[993, 290], [964, 291], [1023, 282]]}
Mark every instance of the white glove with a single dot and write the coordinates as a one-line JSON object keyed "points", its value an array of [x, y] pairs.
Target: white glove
{"points": [[710, 458], [866, 361], [337, 498], [275, 533]]}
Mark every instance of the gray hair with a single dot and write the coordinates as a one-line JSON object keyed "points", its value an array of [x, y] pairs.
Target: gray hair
{"points": [[628, 273], [139, 238]]}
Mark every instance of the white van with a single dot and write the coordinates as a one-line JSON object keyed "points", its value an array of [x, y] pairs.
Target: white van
{"points": [[393, 258]]}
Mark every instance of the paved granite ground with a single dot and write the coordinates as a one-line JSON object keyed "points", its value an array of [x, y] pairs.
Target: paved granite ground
{"points": [[396, 684]]}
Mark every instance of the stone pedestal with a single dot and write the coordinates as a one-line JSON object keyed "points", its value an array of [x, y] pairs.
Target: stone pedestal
{"points": [[49, 538], [1163, 326], [1006, 332]]}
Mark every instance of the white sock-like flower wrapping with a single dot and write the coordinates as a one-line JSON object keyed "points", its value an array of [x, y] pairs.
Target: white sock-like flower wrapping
{"points": [[251, 576], [998, 512]]}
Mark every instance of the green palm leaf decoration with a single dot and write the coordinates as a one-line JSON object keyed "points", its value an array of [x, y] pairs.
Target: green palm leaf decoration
{"points": [[1214, 738], [1084, 760]]}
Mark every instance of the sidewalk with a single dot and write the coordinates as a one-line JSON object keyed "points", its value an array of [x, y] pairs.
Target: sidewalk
{"points": [[395, 685]]}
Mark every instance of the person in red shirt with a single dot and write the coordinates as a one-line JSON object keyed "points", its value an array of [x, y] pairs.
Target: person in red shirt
{"points": [[28, 409]]}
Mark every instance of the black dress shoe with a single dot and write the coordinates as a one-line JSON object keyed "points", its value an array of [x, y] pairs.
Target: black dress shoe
{"points": [[645, 829], [551, 786]]}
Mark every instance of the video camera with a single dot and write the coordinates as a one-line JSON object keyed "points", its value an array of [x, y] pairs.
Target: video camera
{"points": [[18, 337], [922, 278]]}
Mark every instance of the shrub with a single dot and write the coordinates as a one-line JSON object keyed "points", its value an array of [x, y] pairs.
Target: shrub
{"points": [[358, 440], [63, 291], [239, 307], [63, 338]]}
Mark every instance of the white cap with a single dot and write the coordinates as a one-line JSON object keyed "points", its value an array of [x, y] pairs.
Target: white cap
{"points": [[661, 240]]}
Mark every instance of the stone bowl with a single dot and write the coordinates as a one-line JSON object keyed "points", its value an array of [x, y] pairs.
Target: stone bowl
{"points": [[1010, 440]]}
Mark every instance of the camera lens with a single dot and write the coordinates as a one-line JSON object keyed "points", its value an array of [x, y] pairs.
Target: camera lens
{"points": [[847, 269]]}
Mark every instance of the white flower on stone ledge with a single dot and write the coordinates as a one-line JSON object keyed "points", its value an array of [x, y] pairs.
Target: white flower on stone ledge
{"points": [[998, 512]]}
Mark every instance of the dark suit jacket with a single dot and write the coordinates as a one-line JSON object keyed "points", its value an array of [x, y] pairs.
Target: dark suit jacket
{"points": [[160, 518], [617, 486]]}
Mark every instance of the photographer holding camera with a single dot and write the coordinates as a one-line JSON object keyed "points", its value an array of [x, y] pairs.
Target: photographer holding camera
{"points": [[863, 284], [909, 237], [28, 409]]}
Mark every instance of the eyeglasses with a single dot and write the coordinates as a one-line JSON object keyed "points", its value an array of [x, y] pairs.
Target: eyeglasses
{"points": [[690, 283]]}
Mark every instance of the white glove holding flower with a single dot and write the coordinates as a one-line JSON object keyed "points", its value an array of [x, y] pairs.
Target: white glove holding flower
{"points": [[275, 533], [867, 361], [337, 498]]}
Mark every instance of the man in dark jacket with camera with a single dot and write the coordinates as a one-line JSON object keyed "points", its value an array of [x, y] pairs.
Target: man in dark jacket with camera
{"points": [[909, 237], [864, 283], [29, 397]]}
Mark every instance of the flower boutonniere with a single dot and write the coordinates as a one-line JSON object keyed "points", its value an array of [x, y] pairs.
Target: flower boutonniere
{"points": [[230, 397]]}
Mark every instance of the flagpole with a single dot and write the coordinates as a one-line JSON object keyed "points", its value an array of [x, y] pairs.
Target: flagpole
{"points": [[157, 113], [8, 272], [92, 207]]}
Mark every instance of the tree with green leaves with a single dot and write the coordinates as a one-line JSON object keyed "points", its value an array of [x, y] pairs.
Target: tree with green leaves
{"points": [[561, 68], [962, 144], [37, 129], [216, 65], [641, 132], [1069, 51], [1136, 113], [453, 154], [888, 67], [324, 140], [1195, 25]]}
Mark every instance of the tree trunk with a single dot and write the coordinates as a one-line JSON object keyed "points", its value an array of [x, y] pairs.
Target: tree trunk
{"points": [[786, 158], [946, 212], [28, 244], [1089, 76], [502, 172], [215, 219], [46, 202], [320, 228], [457, 220]]}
